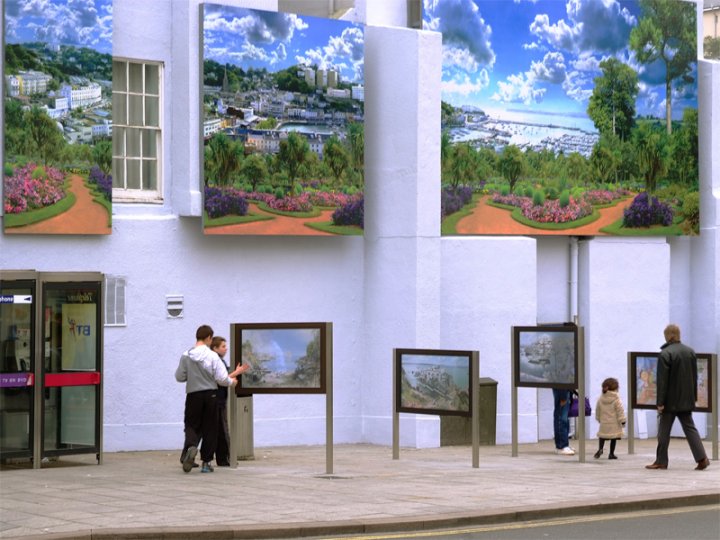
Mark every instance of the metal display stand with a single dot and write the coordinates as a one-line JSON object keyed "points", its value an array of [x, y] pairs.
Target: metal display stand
{"points": [[240, 415], [475, 405], [580, 425], [713, 408]]}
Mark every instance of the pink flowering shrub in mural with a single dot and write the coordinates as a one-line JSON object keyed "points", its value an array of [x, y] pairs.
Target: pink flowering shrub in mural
{"points": [[31, 187]]}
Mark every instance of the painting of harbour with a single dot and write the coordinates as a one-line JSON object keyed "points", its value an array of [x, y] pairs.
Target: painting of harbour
{"points": [[283, 123], [434, 382], [568, 118], [546, 357], [283, 357]]}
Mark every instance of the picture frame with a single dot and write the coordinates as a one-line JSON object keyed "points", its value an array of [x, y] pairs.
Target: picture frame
{"points": [[546, 356], [285, 358], [643, 381], [434, 381]]}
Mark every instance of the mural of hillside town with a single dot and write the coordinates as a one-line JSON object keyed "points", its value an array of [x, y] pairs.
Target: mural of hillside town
{"points": [[283, 124], [568, 118], [434, 383], [58, 122]]}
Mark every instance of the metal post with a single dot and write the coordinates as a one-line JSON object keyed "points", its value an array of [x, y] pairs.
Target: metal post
{"points": [[396, 416], [631, 412], [714, 405], [581, 394], [513, 394], [328, 401], [475, 417]]}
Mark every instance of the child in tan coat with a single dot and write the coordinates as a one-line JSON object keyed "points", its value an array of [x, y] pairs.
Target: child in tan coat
{"points": [[609, 411]]}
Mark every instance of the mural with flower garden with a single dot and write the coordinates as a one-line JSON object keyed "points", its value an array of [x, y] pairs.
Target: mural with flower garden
{"points": [[58, 123], [575, 118], [283, 111]]}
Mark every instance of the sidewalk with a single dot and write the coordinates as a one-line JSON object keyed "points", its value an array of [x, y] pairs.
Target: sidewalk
{"points": [[285, 492]]}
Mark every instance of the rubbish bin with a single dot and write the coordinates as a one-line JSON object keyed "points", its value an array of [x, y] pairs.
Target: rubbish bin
{"points": [[457, 430]]}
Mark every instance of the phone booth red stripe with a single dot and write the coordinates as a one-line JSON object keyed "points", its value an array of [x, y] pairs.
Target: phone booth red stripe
{"points": [[72, 379]]}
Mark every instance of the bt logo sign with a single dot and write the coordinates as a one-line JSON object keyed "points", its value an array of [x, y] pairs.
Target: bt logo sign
{"points": [[78, 329]]}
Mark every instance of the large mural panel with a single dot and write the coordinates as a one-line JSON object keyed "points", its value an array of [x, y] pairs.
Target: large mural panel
{"points": [[283, 109], [58, 117], [570, 118]]}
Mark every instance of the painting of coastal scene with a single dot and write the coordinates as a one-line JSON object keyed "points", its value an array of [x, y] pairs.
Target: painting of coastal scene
{"points": [[283, 358], [643, 371], [58, 117], [283, 112], [546, 357], [433, 382], [568, 118]]}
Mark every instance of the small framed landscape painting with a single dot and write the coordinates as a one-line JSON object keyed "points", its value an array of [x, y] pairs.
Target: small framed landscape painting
{"points": [[284, 358], [546, 356], [433, 381], [643, 377]]}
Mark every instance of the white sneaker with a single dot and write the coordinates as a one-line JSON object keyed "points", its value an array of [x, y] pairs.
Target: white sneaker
{"points": [[567, 451]]}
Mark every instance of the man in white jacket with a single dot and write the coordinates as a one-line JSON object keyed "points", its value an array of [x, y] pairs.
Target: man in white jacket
{"points": [[202, 370]]}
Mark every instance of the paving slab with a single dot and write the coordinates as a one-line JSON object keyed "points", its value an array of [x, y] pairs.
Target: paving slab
{"points": [[285, 491]]}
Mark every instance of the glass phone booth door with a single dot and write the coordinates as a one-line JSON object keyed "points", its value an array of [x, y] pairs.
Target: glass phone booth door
{"points": [[50, 364], [71, 362], [17, 366]]}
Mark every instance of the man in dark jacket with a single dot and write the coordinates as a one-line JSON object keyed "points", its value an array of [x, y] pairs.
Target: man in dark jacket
{"points": [[676, 397]]}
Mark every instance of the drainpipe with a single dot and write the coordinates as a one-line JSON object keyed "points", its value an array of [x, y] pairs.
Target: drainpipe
{"points": [[573, 282]]}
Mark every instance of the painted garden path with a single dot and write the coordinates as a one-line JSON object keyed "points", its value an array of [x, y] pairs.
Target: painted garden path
{"points": [[279, 225], [84, 217], [486, 219]]}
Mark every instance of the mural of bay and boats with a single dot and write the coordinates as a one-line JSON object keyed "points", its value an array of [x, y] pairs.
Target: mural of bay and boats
{"points": [[58, 117], [571, 118], [282, 123], [433, 382]]}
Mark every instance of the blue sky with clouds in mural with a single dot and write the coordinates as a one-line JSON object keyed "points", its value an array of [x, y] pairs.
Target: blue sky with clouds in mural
{"points": [[82, 23], [541, 55], [275, 41]]}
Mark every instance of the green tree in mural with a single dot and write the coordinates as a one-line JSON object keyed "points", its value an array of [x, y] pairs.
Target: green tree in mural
{"points": [[652, 154], [336, 157], [684, 149], [512, 165], [356, 141], [47, 139], [667, 32], [102, 155], [612, 104], [292, 154], [223, 158], [254, 169]]}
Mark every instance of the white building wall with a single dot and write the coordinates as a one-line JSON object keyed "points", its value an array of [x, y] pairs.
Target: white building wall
{"points": [[402, 285]]}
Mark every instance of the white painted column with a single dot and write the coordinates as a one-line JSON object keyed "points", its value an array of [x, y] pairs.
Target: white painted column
{"points": [[402, 219]]}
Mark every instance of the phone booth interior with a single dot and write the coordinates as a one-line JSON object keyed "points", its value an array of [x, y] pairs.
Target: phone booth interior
{"points": [[51, 362]]}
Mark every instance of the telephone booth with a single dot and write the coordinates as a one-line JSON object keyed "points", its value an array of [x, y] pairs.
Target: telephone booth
{"points": [[50, 364]]}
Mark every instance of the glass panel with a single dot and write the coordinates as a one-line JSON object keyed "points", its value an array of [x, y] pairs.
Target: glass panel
{"points": [[152, 111], [118, 141], [119, 108], [16, 366], [149, 143], [133, 174], [118, 173], [70, 417], [149, 174], [133, 142], [119, 77], [136, 78], [71, 327], [135, 104], [152, 79]]}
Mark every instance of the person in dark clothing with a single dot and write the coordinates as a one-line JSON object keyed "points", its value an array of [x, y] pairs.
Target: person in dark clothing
{"points": [[676, 397], [222, 449], [202, 371]]}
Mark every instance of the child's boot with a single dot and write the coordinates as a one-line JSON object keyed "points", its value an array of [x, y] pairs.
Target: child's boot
{"points": [[599, 453]]}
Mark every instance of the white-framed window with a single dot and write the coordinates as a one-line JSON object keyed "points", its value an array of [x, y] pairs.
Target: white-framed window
{"points": [[115, 312], [137, 133]]}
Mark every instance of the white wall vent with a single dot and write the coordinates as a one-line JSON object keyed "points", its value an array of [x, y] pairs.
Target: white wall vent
{"points": [[175, 305], [115, 312]]}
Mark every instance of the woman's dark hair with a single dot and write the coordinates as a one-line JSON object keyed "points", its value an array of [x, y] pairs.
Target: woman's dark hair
{"points": [[611, 384]]}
